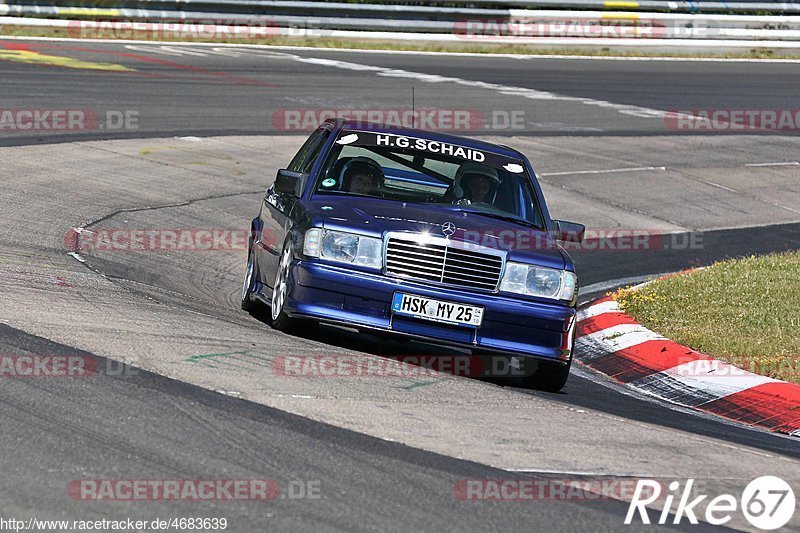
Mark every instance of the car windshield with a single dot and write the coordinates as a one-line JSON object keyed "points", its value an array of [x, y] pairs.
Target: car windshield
{"points": [[416, 170]]}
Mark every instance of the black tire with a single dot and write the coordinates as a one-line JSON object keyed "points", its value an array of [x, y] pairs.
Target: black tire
{"points": [[280, 290], [549, 376], [249, 302]]}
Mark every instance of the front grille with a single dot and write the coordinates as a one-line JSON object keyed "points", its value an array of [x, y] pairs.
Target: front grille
{"points": [[443, 263]]}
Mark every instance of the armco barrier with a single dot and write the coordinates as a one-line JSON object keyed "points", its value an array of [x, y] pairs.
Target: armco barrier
{"points": [[486, 20], [431, 9]]}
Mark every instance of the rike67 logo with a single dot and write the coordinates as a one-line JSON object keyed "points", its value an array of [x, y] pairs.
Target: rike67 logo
{"points": [[767, 503]]}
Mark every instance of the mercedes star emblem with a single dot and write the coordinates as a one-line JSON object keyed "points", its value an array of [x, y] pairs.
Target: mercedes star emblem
{"points": [[448, 228]]}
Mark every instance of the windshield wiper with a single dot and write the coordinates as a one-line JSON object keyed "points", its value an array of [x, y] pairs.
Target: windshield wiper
{"points": [[498, 216]]}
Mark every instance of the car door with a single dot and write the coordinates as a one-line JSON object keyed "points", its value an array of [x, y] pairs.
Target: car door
{"points": [[276, 209]]}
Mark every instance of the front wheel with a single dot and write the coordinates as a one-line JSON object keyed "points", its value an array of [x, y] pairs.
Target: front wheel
{"points": [[248, 299], [549, 376], [280, 320]]}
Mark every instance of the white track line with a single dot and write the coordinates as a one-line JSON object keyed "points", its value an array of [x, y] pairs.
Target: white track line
{"points": [[717, 185], [572, 473], [607, 171], [787, 208], [507, 90], [778, 164]]}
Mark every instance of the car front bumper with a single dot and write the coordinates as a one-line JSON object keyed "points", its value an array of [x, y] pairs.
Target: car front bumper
{"points": [[340, 295]]}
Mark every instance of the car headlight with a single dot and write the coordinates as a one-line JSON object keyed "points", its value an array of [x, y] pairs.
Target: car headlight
{"points": [[338, 246], [343, 247], [539, 281]]}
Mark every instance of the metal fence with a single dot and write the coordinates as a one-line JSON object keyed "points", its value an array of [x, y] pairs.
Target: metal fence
{"points": [[431, 10], [478, 19]]}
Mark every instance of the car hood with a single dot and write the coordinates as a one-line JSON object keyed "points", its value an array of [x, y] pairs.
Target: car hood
{"points": [[376, 217]]}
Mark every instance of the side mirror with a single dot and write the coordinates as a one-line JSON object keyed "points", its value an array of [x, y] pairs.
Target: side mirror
{"points": [[569, 231], [291, 183]]}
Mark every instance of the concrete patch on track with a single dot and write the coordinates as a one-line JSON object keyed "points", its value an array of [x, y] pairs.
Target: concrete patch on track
{"points": [[175, 312]]}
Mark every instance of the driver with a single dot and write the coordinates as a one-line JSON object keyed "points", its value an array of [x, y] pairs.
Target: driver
{"points": [[362, 176], [476, 183]]}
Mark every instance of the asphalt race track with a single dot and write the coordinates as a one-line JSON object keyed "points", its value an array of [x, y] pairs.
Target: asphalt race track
{"points": [[207, 91], [191, 137]]}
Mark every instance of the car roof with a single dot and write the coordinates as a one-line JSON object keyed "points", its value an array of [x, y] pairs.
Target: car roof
{"points": [[429, 135]]}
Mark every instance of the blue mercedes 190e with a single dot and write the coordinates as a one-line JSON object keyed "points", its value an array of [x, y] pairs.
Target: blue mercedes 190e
{"points": [[420, 234]]}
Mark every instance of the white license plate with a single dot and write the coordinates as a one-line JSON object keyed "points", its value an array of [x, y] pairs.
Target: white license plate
{"points": [[436, 310]]}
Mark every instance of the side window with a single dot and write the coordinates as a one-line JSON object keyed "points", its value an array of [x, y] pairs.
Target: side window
{"points": [[529, 204], [315, 151], [306, 156]]}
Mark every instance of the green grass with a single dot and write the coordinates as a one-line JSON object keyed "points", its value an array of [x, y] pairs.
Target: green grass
{"points": [[743, 311], [375, 44]]}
